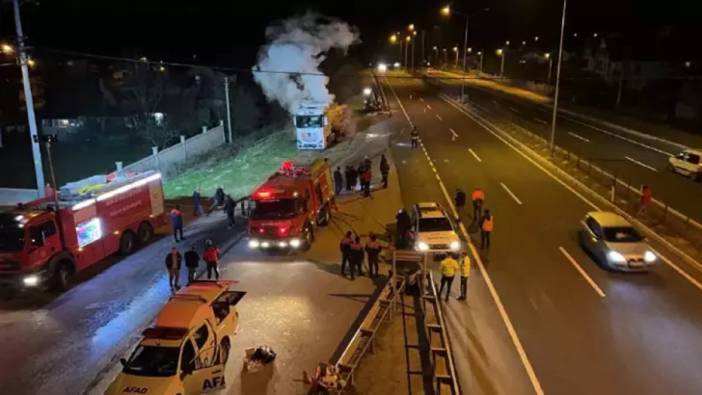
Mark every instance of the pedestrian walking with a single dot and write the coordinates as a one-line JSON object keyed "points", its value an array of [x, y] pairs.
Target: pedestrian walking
{"points": [[217, 199], [478, 198], [173, 260], [645, 201], [384, 170], [449, 266], [229, 208], [459, 199], [486, 226], [198, 210], [176, 216], [464, 265], [192, 260], [366, 182], [403, 224], [414, 137], [345, 249], [338, 180], [211, 258], [357, 255], [373, 249]]}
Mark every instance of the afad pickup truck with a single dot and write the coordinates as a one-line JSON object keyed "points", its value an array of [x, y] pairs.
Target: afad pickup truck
{"points": [[186, 350]]}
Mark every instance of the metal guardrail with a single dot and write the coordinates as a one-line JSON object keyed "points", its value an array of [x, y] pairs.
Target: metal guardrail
{"points": [[363, 339], [444, 370]]}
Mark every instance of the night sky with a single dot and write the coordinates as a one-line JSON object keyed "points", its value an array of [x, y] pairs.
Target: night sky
{"points": [[229, 32]]}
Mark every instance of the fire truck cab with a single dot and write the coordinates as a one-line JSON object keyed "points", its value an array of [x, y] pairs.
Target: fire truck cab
{"points": [[186, 350], [290, 204]]}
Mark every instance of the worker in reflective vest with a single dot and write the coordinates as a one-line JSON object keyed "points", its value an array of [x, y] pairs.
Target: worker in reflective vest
{"points": [[486, 226], [478, 197], [373, 249], [465, 273]]}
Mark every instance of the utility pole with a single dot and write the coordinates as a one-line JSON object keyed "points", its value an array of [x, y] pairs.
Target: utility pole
{"points": [[424, 60], [400, 59], [558, 82], [229, 108], [29, 102], [502, 64], [413, 45], [407, 44], [465, 46]]}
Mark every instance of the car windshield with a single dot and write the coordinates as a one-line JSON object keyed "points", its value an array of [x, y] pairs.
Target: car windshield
{"points": [[308, 121], [434, 225], [622, 234], [11, 234], [274, 209], [153, 361]]}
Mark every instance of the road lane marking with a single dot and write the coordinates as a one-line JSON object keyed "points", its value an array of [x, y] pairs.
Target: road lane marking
{"points": [[453, 132], [420, 99], [582, 273], [679, 270], [516, 199], [514, 109], [630, 159], [439, 117], [428, 107], [474, 155], [541, 121], [579, 137], [660, 151], [536, 384]]}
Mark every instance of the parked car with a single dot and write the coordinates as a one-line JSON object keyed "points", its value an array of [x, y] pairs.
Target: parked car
{"points": [[615, 243], [433, 229]]}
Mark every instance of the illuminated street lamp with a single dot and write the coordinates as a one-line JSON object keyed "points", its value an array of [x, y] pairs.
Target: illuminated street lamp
{"points": [[446, 10], [548, 57], [393, 39], [410, 27], [31, 62], [455, 50], [536, 38], [501, 53], [507, 43], [6, 49], [480, 53]]}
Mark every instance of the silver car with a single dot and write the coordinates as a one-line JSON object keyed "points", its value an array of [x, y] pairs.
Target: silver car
{"points": [[615, 243]]}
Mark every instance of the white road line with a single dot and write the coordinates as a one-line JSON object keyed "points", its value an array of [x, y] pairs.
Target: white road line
{"points": [[474, 155], [579, 137], [583, 273], [660, 151], [488, 281], [514, 109], [439, 117], [453, 132], [516, 199], [679, 270], [541, 121], [429, 107], [420, 99], [641, 164]]}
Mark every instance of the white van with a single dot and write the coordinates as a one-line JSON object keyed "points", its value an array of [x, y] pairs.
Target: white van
{"points": [[687, 163]]}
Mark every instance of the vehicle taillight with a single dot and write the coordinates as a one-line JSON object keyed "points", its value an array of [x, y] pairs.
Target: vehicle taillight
{"points": [[261, 230], [283, 230]]}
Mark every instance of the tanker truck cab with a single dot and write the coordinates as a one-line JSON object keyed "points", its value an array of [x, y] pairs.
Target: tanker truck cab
{"points": [[186, 351]]}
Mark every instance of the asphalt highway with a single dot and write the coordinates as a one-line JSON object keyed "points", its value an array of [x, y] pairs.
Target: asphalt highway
{"points": [[638, 161], [577, 329]]}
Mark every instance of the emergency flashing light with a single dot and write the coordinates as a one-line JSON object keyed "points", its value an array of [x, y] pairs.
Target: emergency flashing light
{"points": [[282, 230], [264, 194]]}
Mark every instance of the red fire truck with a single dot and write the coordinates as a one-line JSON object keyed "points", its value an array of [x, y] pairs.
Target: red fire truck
{"points": [[290, 204], [42, 245]]}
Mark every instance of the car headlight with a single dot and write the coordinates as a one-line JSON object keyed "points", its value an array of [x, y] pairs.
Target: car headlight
{"points": [[616, 257], [422, 246], [265, 244], [282, 244], [294, 243], [31, 281], [455, 245], [253, 243], [650, 257]]}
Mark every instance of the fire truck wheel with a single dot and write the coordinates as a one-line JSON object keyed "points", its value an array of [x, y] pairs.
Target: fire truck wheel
{"points": [[309, 238], [62, 276], [224, 349], [126, 243], [145, 233]]}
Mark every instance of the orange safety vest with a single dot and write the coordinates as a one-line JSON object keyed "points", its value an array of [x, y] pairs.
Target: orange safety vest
{"points": [[488, 224], [478, 195]]}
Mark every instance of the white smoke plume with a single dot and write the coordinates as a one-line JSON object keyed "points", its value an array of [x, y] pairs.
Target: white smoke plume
{"points": [[300, 45]]}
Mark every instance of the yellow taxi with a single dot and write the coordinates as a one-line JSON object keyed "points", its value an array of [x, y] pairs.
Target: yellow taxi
{"points": [[186, 350]]}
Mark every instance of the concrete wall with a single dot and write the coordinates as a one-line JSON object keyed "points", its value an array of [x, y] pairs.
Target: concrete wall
{"points": [[167, 160], [12, 196]]}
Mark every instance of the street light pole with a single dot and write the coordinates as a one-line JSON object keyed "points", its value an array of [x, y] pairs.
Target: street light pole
{"points": [[229, 109], [413, 45], [481, 61], [550, 66], [424, 59], [29, 102], [502, 63], [465, 45], [558, 81]]}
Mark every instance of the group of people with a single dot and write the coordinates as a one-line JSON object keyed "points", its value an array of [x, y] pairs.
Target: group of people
{"points": [[482, 217], [219, 200], [174, 259], [449, 266], [362, 175], [353, 254]]}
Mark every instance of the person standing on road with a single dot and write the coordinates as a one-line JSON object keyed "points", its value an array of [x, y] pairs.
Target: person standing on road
{"points": [[353, 175], [338, 180], [198, 210], [373, 249], [192, 260], [218, 200], [366, 182], [384, 170], [176, 216], [465, 273], [345, 249], [173, 260], [487, 223], [414, 137], [403, 224], [229, 208], [478, 198], [448, 271], [347, 177], [459, 199], [211, 258], [646, 198], [357, 256]]}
